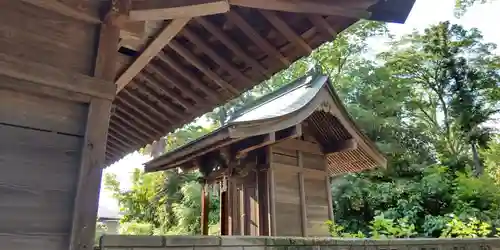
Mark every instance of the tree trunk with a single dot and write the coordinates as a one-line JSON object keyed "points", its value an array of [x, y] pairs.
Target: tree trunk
{"points": [[478, 166]]}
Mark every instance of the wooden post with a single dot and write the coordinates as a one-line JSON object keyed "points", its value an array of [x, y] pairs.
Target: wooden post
{"points": [[263, 193], [205, 204], [303, 208], [94, 148], [329, 197], [224, 222], [272, 193]]}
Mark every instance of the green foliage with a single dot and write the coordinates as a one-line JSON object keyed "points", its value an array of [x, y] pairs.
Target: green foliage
{"points": [[425, 103], [471, 228]]}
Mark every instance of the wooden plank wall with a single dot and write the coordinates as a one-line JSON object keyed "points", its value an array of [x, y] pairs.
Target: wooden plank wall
{"points": [[38, 35], [287, 195], [245, 201], [42, 137], [39, 161], [301, 197]]}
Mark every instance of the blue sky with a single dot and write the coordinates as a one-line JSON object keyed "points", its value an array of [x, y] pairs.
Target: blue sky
{"points": [[424, 13]]}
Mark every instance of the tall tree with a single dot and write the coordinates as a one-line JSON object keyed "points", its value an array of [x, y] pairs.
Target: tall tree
{"points": [[454, 78]]}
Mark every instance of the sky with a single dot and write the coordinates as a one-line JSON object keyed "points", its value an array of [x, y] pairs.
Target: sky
{"points": [[424, 13]]}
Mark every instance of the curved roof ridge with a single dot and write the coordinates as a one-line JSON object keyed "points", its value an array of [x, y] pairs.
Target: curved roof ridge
{"points": [[283, 90]]}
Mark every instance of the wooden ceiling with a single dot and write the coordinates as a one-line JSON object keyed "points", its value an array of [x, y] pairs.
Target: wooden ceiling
{"points": [[182, 58]]}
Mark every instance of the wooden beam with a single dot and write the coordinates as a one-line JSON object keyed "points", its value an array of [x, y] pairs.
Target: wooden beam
{"points": [[50, 76], [205, 209], [74, 9], [165, 91], [272, 193], [87, 190], [161, 75], [304, 146], [302, 194], [147, 10], [341, 146], [214, 55], [230, 44], [323, 26], [138, 115], [191, 58], [329, 196], [282, 27], [331, 8], [268, 139], [253, 35], [165, 36], [197, 83]]}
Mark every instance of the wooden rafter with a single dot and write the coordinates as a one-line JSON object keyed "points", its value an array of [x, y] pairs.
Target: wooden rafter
{"points": [[323, 26], [230, 44], [341, 146], [173, 9], [130, 133], [73, 9], [202, 67], [139, 115], [154, 101], [253, 35], [284, 29], [148, 106], [205, 48], [165, 91], [161, 76], [212, 94], [165, 36], [331, 8], [122, 118]]}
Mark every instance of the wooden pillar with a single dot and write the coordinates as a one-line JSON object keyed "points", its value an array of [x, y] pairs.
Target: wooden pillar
{"points": [[224, 215], [329, 197], [272, 193], [302, 194], [205, 208], [263, 193]]}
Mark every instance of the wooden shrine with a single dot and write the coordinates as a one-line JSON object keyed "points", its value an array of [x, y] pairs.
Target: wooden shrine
{"points": [[85, 82], [273, 161]]}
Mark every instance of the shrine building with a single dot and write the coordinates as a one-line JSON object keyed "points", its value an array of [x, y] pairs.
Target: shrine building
{"points": [[273, 161]]}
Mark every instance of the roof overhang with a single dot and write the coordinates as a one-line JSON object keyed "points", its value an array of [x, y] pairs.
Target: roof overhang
{"points": [[181, 58], [325, 99]]}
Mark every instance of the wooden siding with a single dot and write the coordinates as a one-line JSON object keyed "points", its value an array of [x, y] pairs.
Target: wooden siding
{"points": [[39, 161], [39, 35], [301, 195]]}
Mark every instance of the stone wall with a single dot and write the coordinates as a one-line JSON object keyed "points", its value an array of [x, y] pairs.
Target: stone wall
{"points": [[122, 242]]}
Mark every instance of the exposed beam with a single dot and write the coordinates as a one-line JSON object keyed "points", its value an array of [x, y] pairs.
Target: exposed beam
{"points": [[138, 115], [188, 56], [253, 35], [197, 83], [165, 36], [159, 74], [42, 74], [341, 146], [147, 10], [268, 140], [166, 91], [282, 27], [332, 8], [323, 26], [73, 9], [206, 49], [235, 48]]}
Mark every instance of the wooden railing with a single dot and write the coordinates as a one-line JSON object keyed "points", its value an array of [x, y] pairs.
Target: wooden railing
{"points": [[121, 242]]}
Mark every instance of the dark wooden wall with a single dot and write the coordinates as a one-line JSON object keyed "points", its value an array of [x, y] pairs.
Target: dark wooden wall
{"points": [[40, 149], [300, 200], [52, 138]]}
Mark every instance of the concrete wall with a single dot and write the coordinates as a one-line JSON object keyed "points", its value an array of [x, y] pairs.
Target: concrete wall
{"points": [[120, 242]]}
